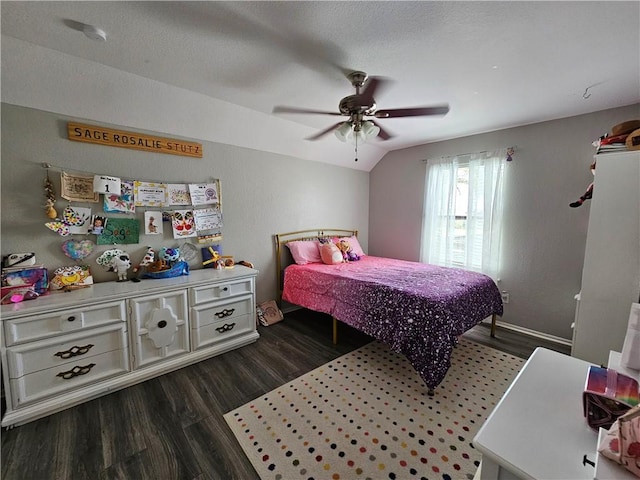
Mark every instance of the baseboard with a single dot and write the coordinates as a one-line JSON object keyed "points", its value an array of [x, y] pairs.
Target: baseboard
{"points": [[532, 333]]}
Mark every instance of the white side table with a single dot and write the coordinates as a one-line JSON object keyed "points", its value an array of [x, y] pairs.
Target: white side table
{"points": [[538, 429]]}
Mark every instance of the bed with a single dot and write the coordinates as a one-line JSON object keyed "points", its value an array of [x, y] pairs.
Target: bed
{"points": [[416, 309]]}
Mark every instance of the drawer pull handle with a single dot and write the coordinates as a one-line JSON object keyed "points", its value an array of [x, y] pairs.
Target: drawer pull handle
{"points": [[74, 351], [225, 289], [162, 323], [225, 313], [71, 318], [226, 327], [76, 371]]}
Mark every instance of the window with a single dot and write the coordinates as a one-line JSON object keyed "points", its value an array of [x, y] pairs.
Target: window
{"points": [[463, 212]]}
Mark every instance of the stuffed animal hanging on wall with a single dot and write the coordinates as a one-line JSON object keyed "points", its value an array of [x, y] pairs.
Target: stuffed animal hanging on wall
{"points": [[588, 194], [615, 140]]}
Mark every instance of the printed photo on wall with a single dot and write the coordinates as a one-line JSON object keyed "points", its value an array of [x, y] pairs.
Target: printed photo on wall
{"points": [[153, 223], [97, 224], [183, 224]]}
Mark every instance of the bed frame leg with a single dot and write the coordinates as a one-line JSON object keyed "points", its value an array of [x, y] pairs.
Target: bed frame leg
{"points": [[335, 331], [493, 325]]}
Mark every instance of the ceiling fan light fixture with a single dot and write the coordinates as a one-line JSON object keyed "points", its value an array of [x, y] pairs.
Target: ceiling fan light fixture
{"points": [[344, 132], [358, 137], [370, 129]]}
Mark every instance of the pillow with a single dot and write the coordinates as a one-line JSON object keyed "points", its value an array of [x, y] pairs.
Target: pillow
{"points": [[305, 251], [330, 254], [353, 242]]}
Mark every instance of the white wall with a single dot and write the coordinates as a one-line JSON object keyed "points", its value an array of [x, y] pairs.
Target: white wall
{"points": [[544, 238], [262, 193]]}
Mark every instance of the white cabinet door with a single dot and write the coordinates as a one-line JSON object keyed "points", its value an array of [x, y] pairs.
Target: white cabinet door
{"points": [[611, 272], [160, 327]]}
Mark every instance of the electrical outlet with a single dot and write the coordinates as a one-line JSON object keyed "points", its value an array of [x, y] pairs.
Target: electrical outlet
{"points": [[505, 296]]}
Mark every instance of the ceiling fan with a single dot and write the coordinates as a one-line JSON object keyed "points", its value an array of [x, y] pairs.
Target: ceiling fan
{"points": [[358, 128]]}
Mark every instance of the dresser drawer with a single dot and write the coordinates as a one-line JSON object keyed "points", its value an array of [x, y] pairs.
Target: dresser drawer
{"points": [[209, 293], [37, 327], [65, 349], [215, 312], [222, 330], [72, 376]]}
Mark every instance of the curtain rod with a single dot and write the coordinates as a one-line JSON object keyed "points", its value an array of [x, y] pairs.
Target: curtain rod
{"points": [[510, 151]]}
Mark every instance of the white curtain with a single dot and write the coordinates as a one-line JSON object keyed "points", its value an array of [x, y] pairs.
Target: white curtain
{"points": [[444, 242]]}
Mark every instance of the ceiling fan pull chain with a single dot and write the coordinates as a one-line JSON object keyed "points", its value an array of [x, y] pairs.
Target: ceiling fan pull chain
{"points": [[356, 147]]}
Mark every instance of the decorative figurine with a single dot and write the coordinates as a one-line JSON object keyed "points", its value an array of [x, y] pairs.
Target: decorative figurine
{"points": [[121, 264]]}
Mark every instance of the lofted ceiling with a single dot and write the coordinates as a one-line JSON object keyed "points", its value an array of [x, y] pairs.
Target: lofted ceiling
{"points": [[496, 64]]}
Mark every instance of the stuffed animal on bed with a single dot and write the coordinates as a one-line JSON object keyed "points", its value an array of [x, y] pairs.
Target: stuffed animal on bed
{"points": [[348, 254], [330, 254]]}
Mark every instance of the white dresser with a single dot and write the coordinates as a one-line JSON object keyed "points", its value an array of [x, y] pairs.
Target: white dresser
{"points": [[63, 349], [611, 270]]}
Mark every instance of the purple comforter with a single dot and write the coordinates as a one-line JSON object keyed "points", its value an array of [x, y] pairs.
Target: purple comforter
{"points": [[417, 309]]}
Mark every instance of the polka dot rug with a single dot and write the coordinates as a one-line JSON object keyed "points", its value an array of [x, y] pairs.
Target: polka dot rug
{"points": [[367, 415]]}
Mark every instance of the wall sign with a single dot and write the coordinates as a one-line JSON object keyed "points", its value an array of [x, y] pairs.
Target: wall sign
{"points": [[79, 132]]}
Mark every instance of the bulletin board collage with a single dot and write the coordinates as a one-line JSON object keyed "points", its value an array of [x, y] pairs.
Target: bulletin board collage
{"points": [[187, 210]]}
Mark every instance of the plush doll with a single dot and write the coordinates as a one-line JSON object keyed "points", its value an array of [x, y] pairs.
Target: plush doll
{"points": [[169, 255], [588, 194], [330, 254], [348, 254], [148, 259], [158, 266], [120, 265]]}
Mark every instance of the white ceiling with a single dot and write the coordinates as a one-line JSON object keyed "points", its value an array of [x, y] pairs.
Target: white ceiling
{"points": [[497, 64]]}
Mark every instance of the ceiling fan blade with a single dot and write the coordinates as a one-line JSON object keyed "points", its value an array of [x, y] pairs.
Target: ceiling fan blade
{"points": [[383, 134], [412, 112], [371, 86], [324, 132], [302, 110]]}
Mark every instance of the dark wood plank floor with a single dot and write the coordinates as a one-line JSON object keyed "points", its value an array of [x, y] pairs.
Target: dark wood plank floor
{"points": [[172, 427]]}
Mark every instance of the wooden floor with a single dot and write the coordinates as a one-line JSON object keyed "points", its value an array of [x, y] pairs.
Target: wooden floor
{"points": [[172, 427]]}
